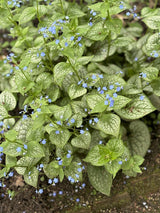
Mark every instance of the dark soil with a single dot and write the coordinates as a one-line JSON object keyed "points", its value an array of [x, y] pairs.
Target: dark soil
{"points": [[128, 195]]}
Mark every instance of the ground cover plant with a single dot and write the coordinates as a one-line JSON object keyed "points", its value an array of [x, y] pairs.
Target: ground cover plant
{"points": [[74, 86]]}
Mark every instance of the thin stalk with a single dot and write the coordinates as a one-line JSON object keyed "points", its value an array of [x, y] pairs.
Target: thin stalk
{"points": [[62, 7], [73, 68], [155, 5]]}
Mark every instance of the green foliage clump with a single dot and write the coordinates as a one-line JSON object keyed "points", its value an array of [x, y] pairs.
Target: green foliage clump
{"points": [[74, 86]]}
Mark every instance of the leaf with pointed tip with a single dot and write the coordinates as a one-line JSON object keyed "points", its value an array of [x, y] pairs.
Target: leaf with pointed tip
{"points": [[76, 91], [100, 179], [82, 141], [60, 139], [139, 140], [8, 100], [109, 124], [31, 178], [135, 109]]}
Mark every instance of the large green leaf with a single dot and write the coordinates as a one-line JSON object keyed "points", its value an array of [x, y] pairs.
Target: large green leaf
{"points": [[22, 127], [74, 12], [60, 71], [31, 177], [100, 179], [152, 45], [133, 86], [139, 140], [9, 148], [72, 171], [3, 112], [82, 141], [153, 22], [52, 169], [151, 73], [35, 149], [76, 91], [8, 100], [97, 32], [61, 138], [24, 163], [109, 124], [155, 84], [137, 108], [61, 113], [27, 14]]}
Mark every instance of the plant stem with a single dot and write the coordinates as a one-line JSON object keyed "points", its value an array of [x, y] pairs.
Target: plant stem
{"points": [[155, 5], [62, 7], [73, 68]]}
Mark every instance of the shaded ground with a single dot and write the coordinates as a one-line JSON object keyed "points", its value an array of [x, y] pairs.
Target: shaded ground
{"points": [[128, 195]]}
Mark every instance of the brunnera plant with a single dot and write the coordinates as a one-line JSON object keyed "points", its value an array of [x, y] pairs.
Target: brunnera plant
{"points": [[80, 80]]}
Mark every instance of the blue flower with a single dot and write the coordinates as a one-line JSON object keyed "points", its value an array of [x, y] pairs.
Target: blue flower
{"points": [[77, 200], [141, 97], [68, 155], [118, 89], [43, 54], [1, 123], [105, 102], [60, 192], [82, 131], [38, 110], [41, 165], [44, 141], [25, 146], [59, 123], [54, 194], [128, 14], [60, 162], [66, 44], [121, 7], [72, 120], [40, 191], [84, 85], [18, 149], [111, 103], [100, 142], [57, 41], [1, 149], [111, 87], [50, 181], [120, 162], [72, 38], [79, 169], [55, 180], [115, 95], [96, 120]]}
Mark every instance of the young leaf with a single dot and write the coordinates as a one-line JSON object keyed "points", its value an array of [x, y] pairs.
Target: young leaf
{"points": [[100, 179]]}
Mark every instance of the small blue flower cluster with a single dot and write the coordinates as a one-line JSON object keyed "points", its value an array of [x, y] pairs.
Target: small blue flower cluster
{"points": [[15, 3], [132, 11]]}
